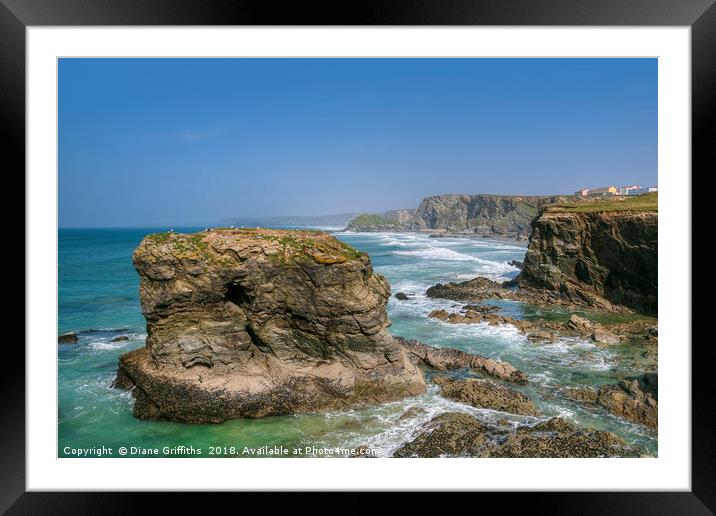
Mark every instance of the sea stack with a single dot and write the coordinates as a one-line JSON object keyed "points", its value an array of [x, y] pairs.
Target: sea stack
{"points": [[259, 322]]}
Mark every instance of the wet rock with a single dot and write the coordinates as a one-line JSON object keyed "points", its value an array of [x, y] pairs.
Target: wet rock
{"points": [[579, 394], [254, 322], [579, 324], [605, 337], [444, 359], [411, 413], [480, 289], [461, 435], [121, 338], [650, 381], [561, 439], [481, 393], [448, 435], [483, 309], [402, 296], [475, 317], [541, 336], [68, 338], [475, 289], [516, 264], [628, 400], [637, 331], [122, 381]]}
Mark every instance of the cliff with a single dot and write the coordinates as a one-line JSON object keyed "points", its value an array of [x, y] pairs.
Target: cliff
{"points": [[373, 222], [597, 253], [252, 323], [489, 215]]}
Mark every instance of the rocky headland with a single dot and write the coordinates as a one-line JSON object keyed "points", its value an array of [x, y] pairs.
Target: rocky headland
{"points": [[598, 254], [506, 216], [252, 323]]}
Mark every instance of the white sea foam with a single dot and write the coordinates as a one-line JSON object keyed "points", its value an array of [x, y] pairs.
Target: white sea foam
{"points": [[431, 404], [439, 253], [107, 344]]}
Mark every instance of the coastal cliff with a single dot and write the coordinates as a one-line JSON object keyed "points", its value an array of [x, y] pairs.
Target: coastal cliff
{"points": [[596, 254], [252, 323], [484, 215]]}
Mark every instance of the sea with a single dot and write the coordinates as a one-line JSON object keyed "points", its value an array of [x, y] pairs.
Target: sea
{"points": [[99, 299]]}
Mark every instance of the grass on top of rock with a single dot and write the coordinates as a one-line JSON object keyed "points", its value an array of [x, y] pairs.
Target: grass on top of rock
{"points": [[326, 251], [295, 244], [644, 202], [371, 219], [186, 245]]}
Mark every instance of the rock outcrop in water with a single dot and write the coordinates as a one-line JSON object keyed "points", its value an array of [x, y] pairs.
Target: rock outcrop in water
{"points": [[480, 289], [252, 323], [630, 399], [68, 338], [596, 257], [444, 359], [482, 393], [485, 215], [461, 435]]}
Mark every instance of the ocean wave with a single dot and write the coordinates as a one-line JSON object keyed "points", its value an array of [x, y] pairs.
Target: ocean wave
{"points": [[439, 253], [401, 429], [106, 345]]}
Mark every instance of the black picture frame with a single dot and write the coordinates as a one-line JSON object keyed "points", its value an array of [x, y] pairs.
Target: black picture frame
{"points": [[16, 15]]}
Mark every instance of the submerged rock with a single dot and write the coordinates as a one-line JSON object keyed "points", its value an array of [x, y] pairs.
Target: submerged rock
{"points": [[461, 435], [121, 338], [68, 338], [481, 393], [444, 359], [252, 323], [402, 296]]}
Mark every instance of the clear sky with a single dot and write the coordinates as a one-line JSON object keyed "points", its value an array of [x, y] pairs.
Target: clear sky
{"points": [[194, 141]]}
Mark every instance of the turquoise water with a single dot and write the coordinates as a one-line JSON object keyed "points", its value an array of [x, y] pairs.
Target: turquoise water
{"points": [[98, 297]]}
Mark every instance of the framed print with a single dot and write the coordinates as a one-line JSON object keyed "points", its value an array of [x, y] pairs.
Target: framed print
{"points": [[453, 242]]}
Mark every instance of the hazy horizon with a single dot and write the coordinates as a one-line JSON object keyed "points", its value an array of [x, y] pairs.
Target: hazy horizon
{"points": [[191, 142]]}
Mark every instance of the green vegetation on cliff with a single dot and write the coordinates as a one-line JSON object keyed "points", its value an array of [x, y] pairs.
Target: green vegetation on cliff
{"points": [[285, 244], [645, 202], [371, 219]]}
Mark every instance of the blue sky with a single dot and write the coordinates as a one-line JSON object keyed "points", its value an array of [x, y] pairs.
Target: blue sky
{"points": [[193, 141]]}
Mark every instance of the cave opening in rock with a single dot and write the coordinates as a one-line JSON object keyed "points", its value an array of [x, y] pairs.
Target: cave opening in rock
{"points": [[237, 294]]}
